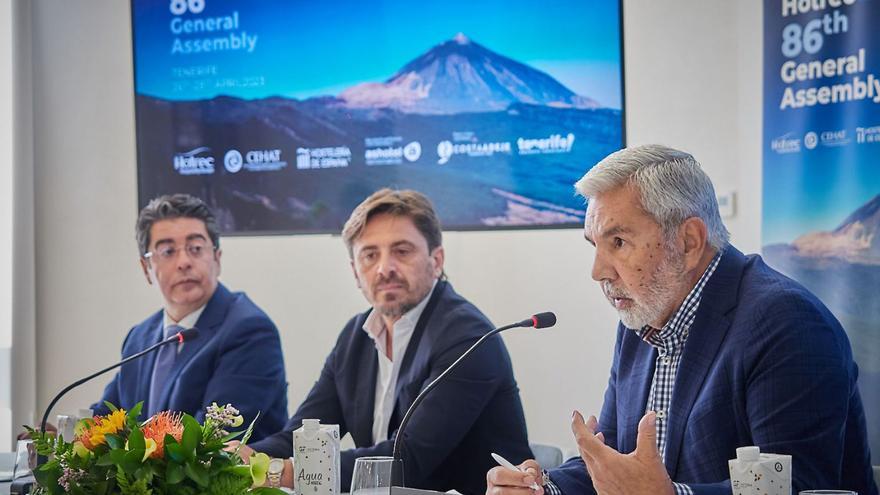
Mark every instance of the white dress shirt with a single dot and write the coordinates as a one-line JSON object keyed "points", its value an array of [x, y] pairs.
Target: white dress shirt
{"points": [[389, 369], [187, 322]]}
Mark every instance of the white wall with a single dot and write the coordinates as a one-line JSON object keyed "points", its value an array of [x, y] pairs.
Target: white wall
{"points": [[6, 219], [693, 81], [17, 332]]}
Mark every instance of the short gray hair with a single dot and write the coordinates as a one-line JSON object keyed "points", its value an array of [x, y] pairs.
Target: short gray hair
{"points": [[671, 185], [174, 206]]}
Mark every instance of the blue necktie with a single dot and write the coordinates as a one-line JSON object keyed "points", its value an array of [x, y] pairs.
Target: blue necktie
{"points": [[164, 362]]}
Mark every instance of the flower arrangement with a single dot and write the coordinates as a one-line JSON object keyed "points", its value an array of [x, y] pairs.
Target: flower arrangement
{"points": [[168, 454]]}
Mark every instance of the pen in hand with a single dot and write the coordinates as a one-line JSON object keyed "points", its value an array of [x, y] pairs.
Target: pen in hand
{"points": [[504, 462]]}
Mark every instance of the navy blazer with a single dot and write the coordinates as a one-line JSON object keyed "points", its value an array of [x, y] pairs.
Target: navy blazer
{"points": [[448, 441], [765, 364], [236, 359]]}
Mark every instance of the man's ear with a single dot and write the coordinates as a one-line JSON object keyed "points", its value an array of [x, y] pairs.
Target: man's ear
{"points": [[146, 270], [438, 255], [354, 272], [217, 254], [695, 236]]}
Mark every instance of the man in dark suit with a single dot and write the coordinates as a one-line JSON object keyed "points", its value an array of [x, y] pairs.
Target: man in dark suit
{"points": [[715, 350], [417, 326], [236, 358]]}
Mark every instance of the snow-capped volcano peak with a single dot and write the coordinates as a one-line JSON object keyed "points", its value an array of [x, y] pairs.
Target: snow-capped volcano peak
{"points": [[460, 75], [856, 239], [461, 39]]}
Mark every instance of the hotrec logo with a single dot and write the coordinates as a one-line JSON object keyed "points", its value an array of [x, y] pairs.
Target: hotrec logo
{"points": [[193, 162], [785, 144]]}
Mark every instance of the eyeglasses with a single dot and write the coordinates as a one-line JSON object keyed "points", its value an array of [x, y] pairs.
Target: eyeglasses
{"points": [[168, 252]]}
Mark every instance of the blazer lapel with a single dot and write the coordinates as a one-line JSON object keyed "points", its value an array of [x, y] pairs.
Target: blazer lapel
{"points": [[210, 319], [705, 337], [146, 363], [413, 349], [634, 378], [364, 386]]}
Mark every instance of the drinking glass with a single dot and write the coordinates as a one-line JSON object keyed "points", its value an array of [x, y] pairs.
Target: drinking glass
{"points": [[371, 476], [25, 459], [66, 426]]}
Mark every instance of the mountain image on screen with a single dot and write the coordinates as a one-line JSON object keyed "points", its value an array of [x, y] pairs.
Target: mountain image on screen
{"points": [[842, 267], [493, 142], [463, 76]]}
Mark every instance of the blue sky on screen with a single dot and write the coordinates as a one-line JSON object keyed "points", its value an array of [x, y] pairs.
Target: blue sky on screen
{"points": [[306, 49]]}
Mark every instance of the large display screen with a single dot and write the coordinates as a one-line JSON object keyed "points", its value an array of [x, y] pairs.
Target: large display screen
{"points": [[283, 115]]}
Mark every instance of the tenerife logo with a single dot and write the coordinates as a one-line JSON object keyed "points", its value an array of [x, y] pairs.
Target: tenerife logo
{"points": [[785, 144], [232, 161], [193, 162], [553, 144], [331, 157]]}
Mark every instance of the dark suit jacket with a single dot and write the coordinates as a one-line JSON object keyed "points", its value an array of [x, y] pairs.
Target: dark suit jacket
{"points": [[236, 359], [765, 364], [447, 443]]}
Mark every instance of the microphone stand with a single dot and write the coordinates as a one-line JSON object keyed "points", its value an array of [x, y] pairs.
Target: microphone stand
{"points": [[397, 463], [178, 337]]}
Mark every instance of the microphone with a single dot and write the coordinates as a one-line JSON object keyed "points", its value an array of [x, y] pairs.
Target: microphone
{"points": [[179, 337], [540, 320]]}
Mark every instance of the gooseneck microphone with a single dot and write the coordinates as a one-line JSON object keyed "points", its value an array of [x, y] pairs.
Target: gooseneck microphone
{"points": [[179, 338], [540, 320]]}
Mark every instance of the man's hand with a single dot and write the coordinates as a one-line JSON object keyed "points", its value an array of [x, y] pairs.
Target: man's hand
{"points": [[613, 473], [244, 451], [503, 481]]}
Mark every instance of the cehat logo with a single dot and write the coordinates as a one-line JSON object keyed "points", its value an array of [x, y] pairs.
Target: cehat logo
{"points": [[233, 161]]}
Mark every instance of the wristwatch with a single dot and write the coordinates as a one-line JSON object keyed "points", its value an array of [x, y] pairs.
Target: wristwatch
{"points": [[276, 467]]}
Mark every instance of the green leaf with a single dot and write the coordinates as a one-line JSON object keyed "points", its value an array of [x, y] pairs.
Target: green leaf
{"points": [[136, 440], [135, 412], [250, 430], [197, 472], [115, 441], [174, 473], [192, 433], [110, 406], [132, 460], [174, 450], [231, 436], [111, 458]]}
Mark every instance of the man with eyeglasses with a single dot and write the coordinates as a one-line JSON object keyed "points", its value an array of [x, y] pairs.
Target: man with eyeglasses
{"points": [[237, 356]]}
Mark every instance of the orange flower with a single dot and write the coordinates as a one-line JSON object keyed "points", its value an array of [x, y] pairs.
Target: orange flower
{"points": [[93, 431], [163, 423]]}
